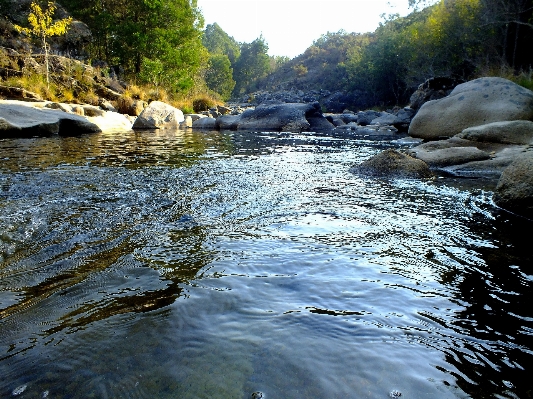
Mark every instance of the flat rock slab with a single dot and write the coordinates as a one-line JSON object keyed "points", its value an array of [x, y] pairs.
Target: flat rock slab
{"points": [[21, 119], [474, 103], [452, 156], [506, 132]]}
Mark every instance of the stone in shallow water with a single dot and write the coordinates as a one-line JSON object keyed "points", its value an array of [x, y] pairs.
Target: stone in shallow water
{"points": [[393, 163]]}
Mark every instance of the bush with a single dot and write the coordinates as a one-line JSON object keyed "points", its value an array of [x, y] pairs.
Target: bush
{"points": [[202, 104]]}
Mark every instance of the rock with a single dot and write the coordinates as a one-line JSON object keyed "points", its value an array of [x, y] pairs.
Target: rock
{"points": [[384, 119], [187, 122], [452, 156], [90, 110], [206, 123], [432, 89], [223, 110], [228, 122], [159, 115], [61, 106], [110, 121], [295, 117], [514, 191], [195, 117], [21, 119], [335, 120], [403, 119], [483, 159], [507, 132], [474, 103], [107, 106], [368, 130], [15, 93], [393, 163], [443, 153], [366, 117], [348, 117]]}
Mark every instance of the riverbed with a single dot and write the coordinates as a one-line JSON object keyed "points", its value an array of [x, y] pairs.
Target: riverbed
{"points": [[185, 264]]}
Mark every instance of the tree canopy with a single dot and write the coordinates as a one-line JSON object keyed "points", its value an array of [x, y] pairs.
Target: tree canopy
{"points": [[134, 34]]}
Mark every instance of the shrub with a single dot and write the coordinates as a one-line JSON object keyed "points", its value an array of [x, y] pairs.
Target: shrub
{"points": [[202, 104]]}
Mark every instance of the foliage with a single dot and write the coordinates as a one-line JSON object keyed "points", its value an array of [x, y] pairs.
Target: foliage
{"points": [[216, 41], [42, 26], [155, 40], [219, 75], [202, 104], [252, 65]]}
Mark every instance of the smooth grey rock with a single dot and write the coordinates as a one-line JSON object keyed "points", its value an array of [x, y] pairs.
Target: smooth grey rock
{"points": [[228, 122], [514, 191], [395, 164], [206, 123], [452, 156], [384, 119], [366, 117], [507, 132], [21, 119], [287, 117], [474, 103], [159, 115]]}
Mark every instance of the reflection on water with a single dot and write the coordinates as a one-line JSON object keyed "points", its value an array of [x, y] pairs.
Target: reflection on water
{"points": [[198, 265]]}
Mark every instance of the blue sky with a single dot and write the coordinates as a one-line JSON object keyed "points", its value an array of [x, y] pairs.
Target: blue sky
{"points": [[291, 26]]}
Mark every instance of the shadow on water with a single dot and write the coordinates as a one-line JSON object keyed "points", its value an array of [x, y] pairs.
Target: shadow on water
{"points": [[497, 315]]}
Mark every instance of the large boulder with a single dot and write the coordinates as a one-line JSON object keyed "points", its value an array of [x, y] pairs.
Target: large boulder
{"points": [[206, 123], [288, 117], [474, 103], [159, 115], [21, 119], [507, 132], [391, 163], [515, 187]]}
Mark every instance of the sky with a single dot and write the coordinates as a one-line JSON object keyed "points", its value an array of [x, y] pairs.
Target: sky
{"points": [[290, 26]]}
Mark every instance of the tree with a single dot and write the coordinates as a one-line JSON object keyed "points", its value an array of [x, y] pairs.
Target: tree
{"points": [[130, 33], [219, 42], [42, 26], [253, 64], [219, 75]]}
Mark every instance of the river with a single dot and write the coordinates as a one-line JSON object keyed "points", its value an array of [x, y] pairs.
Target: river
{"points": [[183, 264]]}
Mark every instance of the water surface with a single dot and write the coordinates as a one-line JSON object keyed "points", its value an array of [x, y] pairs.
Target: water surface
{"points": [[180, 264]]}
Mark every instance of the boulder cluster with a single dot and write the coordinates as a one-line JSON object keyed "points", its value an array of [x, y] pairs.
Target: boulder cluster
{"points": [[481, 128]]}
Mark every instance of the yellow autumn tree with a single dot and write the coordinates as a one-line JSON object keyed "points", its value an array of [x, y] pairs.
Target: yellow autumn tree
{"points": [[42, 26]]}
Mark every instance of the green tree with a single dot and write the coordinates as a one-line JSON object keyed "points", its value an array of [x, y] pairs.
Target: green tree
{"points": [[128, 33], [252, 65], [219, 75], [219, 42], [42, 26]]}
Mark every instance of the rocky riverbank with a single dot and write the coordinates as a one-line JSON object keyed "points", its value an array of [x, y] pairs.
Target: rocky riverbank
{"points": [[480, 128]]}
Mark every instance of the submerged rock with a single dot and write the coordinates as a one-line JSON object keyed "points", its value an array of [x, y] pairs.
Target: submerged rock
{"points": [[393, 163]]}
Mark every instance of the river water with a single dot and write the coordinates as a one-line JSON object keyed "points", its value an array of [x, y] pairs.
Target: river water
{"points": [[179, 264]]}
